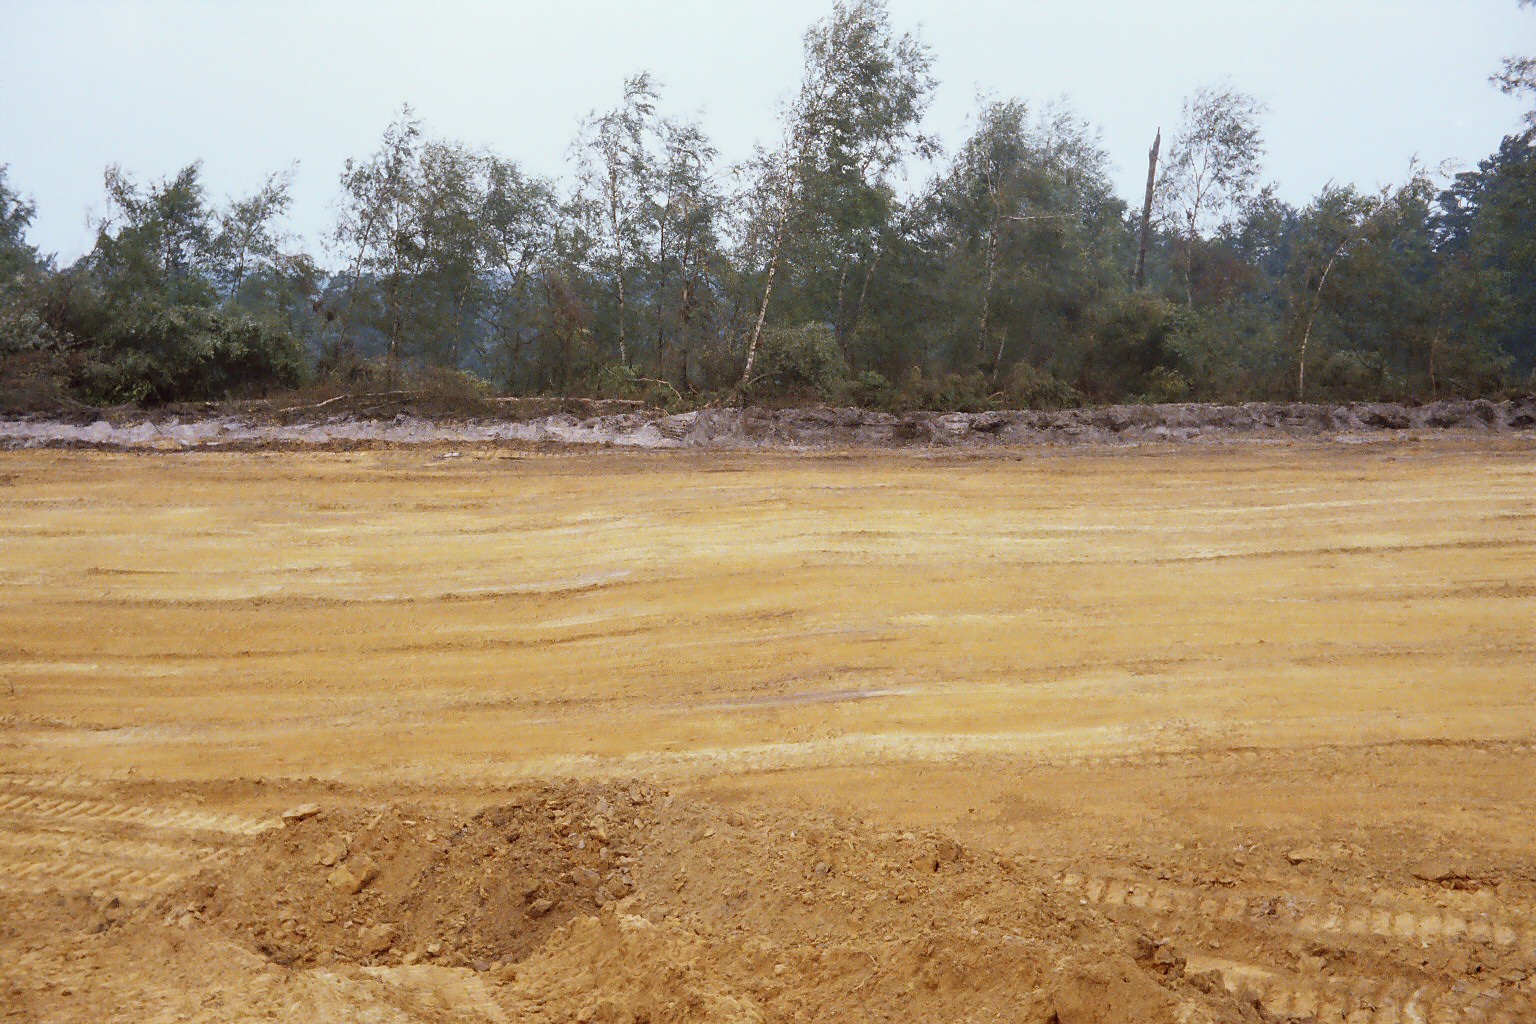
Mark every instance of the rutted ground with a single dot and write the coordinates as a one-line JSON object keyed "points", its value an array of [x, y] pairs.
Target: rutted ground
{"points": [[1140, 735]]}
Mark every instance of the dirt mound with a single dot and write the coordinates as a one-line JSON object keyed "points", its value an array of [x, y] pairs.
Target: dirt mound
{"points": [[404, 884], [624, 904]]}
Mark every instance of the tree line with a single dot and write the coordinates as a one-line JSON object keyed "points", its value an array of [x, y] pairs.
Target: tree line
{"points": [[1014, 276]]}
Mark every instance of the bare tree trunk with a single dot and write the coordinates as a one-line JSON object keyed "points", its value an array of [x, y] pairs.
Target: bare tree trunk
{"points": [[618, 261], [762, 310], [1146, 213], [858, 311], [1317, 301], [1434, 343], [840, 324], [661, 284], [986, 295], [782, 227]]}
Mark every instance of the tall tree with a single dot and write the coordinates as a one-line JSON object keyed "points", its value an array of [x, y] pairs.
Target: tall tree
{"points": [[683, 215], [1213, 166], [518, 218], [246, 238], [157, 240], [16, 213], [862, 94], [616, 172], [378, 232]]}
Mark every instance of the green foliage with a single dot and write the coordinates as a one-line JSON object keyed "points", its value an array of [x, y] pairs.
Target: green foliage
{"points": [[153, 353], [801, 361], [1004, 280], [18, 260], [950, 392], [1135, 349], [1030, 387]]}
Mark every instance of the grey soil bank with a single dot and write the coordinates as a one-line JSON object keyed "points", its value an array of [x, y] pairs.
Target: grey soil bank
{"points": [[791, 428]]}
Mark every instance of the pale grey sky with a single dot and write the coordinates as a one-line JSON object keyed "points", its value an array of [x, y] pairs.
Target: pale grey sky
{"points": [[1356, 88]]}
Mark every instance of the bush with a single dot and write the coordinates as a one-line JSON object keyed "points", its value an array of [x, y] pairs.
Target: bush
{"points": [[871, 390], [1139, 335], [1163, 385], [152, 353], [1029, 387], [798, 362], [952, 392]]}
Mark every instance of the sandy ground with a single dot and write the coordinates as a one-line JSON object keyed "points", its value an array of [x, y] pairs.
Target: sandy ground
{"points": [[1230, 732]]}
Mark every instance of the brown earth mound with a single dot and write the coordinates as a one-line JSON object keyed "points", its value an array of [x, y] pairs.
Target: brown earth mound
{"points": [[622, 904]]}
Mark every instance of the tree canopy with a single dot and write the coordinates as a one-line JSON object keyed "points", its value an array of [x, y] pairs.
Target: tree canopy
{"points": [[821, 268]]}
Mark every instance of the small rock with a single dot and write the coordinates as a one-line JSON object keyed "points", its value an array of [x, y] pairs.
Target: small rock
{"points": [[538, 908], [1441, 873], [586, 877], [379, 938], [1209, 981], [1304, 855], [1169, 961], [434, 948], [301, 812], [925, 861], [351, 877]]}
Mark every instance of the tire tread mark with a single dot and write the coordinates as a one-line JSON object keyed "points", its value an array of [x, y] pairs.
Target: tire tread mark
{"points": [[98, 810], [1430, 926]]}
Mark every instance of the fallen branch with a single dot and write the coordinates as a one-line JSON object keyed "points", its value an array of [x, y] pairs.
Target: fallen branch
{"points": [[343, 398], [663, 383]]}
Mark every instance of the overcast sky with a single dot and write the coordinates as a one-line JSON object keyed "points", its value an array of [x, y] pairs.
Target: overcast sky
{"points": [[1356, 88]]}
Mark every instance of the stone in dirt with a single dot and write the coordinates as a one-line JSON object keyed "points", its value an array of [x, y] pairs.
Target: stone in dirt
{"points": [[586, 877], [379, 938], [351, 877], [1110, 991], [538, 908], [1442, 873], [1304, 855], [301, 812]]}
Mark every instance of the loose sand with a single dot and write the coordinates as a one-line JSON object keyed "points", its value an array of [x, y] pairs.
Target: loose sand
{"points": [[1222, 732]]}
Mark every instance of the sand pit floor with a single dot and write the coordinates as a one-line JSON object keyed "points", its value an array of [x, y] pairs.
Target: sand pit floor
{"points": [[1236, 732]]}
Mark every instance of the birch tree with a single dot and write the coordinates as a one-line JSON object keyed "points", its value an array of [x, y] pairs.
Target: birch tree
{"points": [[1213, 166]]}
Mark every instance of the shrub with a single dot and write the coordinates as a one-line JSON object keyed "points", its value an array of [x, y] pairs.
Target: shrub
{"points": [[1163, 385], [1138, 335], [795, 362], [1029, 387], [154, 353]]}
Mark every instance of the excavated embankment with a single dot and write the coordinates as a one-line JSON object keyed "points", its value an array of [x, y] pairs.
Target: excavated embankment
{"points": [[816, 427]]}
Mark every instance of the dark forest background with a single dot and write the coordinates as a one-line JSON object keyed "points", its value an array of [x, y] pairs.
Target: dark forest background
{"points": [[1014, 277]]}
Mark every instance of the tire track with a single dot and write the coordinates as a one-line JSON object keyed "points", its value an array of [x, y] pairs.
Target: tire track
{"points": [[1217, 755], [71, 808], [52, 842], [1395, 924], [1348, 1000]]}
